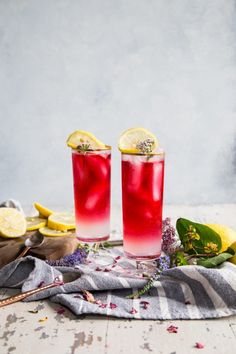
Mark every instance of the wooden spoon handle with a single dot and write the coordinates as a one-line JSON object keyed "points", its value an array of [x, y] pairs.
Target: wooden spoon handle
{"points": [[25, 250], [19, 297]]}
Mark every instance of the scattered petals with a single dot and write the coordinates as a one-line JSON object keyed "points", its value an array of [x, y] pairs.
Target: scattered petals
{"points": [[199, 345], [133, 311], [102, 305], [88, 296], [41, 284], [117, 258], [98, 302], [60, 311], [98, 269], [33, 311], [144, 304], [43, 319], [112, 306], [107, 270], [172, 329]]}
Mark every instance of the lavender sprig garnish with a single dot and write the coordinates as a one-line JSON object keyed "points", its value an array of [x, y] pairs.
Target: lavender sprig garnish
{"points": [[77, 257], [163, 264], [170, 240], [83, 147], [145, 146]]}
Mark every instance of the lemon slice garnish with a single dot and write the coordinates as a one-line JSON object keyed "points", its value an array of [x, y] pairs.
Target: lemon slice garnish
{"points": [[61, 221], [43, 211], [133, 137], [34, 223], [12, 223], [46, 231], [83, 139]]}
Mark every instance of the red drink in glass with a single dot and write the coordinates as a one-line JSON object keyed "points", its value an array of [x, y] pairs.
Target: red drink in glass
{"points": [[142, 201], [91, 172]]}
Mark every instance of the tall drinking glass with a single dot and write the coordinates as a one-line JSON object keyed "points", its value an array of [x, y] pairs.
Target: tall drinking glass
{"points": [[142, 201], [91, 174]]}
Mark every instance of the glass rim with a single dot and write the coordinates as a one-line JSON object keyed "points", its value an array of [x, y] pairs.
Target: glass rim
{"points": [[159, 153], [107, 148]]}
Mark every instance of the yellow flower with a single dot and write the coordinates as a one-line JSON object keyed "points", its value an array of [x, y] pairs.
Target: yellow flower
{"points": [[211, 247]]}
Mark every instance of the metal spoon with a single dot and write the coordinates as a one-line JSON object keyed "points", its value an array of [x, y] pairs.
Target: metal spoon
{"points": [[58, 281], [35, 240]]}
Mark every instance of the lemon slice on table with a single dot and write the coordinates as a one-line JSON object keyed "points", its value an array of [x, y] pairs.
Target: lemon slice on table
{"points": [[133, 141], [43, 211], [46, 231], [34, 223], [61, 221], [85, 139], [12, 223]]}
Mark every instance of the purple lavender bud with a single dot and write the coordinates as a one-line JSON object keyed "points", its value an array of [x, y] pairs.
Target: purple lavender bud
{"points": [[70, 260], [170, 240]]}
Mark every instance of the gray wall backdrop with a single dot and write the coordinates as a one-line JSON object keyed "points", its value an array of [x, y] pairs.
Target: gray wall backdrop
{"points": [[106, 65]]}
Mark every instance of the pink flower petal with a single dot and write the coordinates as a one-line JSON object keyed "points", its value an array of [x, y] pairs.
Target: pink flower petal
{"points": [[133, 311], [112, 306], [144, 302], [172, 329], [107, 270], [103, 306], [98, 269], [88, 296], [41, 284], [60, 311], [199, 345]]}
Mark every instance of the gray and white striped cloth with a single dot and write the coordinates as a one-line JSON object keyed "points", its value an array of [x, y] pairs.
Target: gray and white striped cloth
{"points": [[187, 292]]}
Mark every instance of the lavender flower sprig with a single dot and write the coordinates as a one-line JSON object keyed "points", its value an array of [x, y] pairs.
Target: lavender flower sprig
{"points": [[163, 264], [170, 241], [70, 260]]}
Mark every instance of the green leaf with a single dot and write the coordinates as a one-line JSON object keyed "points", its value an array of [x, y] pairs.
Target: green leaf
{"points": [[207, 236], [179, 259], [214, 261], [230, 250]]}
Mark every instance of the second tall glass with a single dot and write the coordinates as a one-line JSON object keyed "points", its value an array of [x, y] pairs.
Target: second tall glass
{"points": [[142, 201]]}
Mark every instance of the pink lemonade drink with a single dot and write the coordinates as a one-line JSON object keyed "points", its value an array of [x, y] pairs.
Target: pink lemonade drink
{"points": [[91, 172], [142, 200]]}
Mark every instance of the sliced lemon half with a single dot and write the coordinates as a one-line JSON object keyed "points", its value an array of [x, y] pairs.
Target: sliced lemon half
{"points": [[43, 211], [61, 221], [35, 223], [46, 231], [12, 223], [85, 139], [130, 139]]}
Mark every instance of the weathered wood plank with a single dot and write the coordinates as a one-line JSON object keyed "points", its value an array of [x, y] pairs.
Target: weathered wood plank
{"points": [[22, 331]]}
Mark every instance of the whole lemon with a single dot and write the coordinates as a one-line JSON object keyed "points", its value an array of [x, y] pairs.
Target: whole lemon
{"points": [[228, 238]]}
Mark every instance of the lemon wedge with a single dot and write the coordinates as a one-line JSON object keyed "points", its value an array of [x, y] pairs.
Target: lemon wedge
{"points": [[46, 231], [132, 138], [43, 211], [84, 139], [35, 223], [12, 223], [61, 221], [227, 235]]}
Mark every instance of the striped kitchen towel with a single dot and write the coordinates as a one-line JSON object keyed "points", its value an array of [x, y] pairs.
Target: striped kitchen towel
{"points": [[187, 292]]}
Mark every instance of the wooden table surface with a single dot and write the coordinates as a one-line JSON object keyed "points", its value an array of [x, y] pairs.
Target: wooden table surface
{"points": [[21, 332]]}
